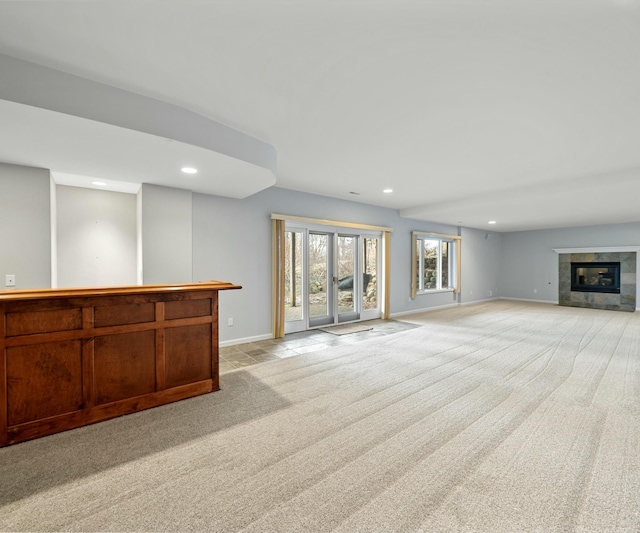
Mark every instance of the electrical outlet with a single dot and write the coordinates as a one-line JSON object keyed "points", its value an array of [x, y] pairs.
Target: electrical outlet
{"points": [[490, 293], [535, 291], [10, 280], [229, 321]]}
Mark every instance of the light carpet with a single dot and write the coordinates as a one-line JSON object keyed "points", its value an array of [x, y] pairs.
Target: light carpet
{"points": [[346, 329], [494, 417]]}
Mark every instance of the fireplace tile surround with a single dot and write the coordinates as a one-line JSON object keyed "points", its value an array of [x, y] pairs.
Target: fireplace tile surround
{"points": [[625, 301]]}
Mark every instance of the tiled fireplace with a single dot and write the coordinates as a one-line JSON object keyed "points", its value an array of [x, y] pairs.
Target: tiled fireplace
{"points": [[598, 279]]}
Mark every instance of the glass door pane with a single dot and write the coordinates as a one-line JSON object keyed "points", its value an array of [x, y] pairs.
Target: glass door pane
{"points": [[293, 288], [320, 279], [330, 277], [430, 264], [370, 275], [347, 285], [444, 264]]}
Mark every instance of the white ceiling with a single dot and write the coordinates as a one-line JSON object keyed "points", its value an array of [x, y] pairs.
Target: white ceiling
{"points": [[524, 112]]}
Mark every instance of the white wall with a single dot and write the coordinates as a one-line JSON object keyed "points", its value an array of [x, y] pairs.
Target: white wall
{"points": [[96, 237], [25, 226], [530, 266], [166, 220]]}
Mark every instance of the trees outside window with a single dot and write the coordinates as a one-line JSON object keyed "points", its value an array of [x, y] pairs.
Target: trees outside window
{"points": [[434, 263]]}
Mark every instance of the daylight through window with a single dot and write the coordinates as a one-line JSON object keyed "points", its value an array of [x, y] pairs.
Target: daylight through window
{"points": [[435, 263]]}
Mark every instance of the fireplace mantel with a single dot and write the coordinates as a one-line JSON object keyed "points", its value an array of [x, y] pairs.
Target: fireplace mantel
{"points": [[597, 250]]}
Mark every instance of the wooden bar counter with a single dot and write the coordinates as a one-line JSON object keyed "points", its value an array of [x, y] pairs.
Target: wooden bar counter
{"points": [[72, 357]]}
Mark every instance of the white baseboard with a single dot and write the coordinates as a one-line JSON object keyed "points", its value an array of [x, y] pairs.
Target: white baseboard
{"points": [[552, 302], [267, 336], [244, 340], [423, 310], [448, 306], [475, 302]]}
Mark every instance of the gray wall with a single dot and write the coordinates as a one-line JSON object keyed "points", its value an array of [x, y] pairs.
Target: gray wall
{"points": [[166, 219], [192, 237], [481, 262], [232, 242], [96, 237], [25, 226], [530, 266]]}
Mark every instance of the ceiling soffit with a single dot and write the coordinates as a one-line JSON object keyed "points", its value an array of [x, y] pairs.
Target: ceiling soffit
{"points": [[56, 100]]}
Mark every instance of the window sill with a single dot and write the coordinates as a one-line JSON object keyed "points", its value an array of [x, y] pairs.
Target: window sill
{"points": [[432, 291]]}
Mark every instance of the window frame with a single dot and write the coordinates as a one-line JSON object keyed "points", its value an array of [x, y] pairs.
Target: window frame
{"points": [[454, 252], [279, 222]]}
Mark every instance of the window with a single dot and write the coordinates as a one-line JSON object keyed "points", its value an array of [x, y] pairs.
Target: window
{"points": [[435, 263]]}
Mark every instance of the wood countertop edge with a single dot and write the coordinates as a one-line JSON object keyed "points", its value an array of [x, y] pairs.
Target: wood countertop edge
{"points": [[33, 294]]}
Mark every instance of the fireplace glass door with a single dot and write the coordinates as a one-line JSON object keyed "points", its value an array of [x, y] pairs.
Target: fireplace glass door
{"points": [[595, 277]]}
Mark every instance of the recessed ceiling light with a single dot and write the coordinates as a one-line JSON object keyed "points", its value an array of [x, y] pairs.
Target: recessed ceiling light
{"points": [[99, 183], [492, 222], [387, 191], [189, 170]]}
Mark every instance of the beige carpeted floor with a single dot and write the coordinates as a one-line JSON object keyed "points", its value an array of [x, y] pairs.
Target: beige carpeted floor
{"points": [[502, 416], [347, 329]]}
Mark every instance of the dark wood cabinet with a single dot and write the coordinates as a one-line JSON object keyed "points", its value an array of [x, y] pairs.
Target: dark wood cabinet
{"points": [[72, 357]]}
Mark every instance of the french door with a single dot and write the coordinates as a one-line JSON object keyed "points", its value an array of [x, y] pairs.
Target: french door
{"points": [[331, 277]]}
